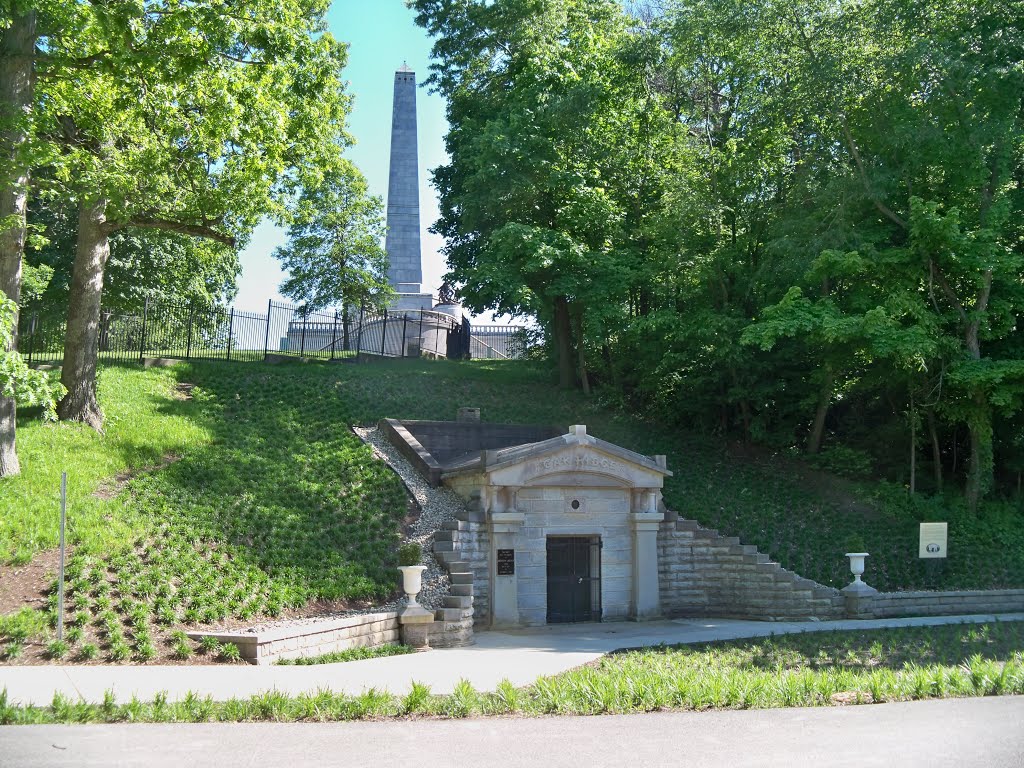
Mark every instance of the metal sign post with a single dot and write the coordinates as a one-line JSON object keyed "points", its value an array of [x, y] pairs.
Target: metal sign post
{"points": [[60, 568]]}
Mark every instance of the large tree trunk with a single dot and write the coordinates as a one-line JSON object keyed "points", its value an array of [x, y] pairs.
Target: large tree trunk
{"points": [[980, 471], [17, 49], [581, 351], [81, 345], [824, 400], [563, 342], [936, 450]]}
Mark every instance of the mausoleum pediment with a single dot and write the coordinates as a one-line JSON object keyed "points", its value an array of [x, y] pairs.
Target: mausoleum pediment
{"points": [[575, 460]]}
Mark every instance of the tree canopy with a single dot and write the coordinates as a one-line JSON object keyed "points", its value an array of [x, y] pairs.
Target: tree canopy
{"points": [[797, 223]]}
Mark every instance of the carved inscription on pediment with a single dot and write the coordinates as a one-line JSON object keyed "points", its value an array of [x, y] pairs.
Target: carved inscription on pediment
{"points": [[580, 462]]}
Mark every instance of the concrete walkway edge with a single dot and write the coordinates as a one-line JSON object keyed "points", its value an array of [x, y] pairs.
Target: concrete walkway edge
{"points": [[520, 656]]}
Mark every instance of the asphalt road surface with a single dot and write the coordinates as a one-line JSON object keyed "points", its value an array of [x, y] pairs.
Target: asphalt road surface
{"points": [[987, 733]]}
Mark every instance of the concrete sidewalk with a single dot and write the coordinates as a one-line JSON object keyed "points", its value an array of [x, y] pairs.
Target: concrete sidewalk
{"points": [[520, 656]]}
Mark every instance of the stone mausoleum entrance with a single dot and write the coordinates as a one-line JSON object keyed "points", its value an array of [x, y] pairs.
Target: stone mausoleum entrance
{"points": [[574, 579]]}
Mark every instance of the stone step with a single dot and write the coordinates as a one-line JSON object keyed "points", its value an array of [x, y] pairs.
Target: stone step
{"points": [[452, 564], [687, 525], [463, 590], [461, 578], [457, 601], [445, 536], [451, 525], [448, 614], [444, 546]]}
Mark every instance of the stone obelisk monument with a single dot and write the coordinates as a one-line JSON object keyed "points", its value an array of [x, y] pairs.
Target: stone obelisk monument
{"points": [[405, 272]]}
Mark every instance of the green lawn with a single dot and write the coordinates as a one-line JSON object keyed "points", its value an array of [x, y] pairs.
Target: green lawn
{"points": [[814, 669], [247, 495]]}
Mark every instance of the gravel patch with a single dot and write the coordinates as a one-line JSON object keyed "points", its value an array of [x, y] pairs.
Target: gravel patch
{"points": [[437, 505]]}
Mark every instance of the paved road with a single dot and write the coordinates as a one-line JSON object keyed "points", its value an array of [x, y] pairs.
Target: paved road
{"points": [[521, 656], [968, 733]]}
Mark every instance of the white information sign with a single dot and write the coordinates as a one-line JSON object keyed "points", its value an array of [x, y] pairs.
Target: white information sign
{"points": [[933, 540]]}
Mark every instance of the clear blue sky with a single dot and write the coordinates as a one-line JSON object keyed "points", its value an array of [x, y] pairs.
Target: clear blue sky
{"points": [[381, 36]]}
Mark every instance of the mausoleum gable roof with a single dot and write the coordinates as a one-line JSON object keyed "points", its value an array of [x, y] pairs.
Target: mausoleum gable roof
{"points": [[489, 461]]}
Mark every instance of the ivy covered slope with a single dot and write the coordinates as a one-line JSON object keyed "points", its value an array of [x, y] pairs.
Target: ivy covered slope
{"points": [[222, 493]]}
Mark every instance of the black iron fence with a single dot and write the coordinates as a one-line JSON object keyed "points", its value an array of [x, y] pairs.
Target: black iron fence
{"points": [[190, 331]]}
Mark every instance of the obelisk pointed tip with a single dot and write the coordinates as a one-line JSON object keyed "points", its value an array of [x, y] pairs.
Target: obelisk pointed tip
{"points": [[404, 68]]}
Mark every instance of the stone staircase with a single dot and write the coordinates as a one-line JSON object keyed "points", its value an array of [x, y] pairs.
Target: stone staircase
{"points": [[453, 622], [703, 573]]}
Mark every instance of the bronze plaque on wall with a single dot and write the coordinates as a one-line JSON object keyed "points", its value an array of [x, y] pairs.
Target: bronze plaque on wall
{"points": [[506, 562]]}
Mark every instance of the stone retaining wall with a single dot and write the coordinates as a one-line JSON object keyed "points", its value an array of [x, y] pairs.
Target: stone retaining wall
{"points": [[702, 573], [890, 604], [311, 639]]}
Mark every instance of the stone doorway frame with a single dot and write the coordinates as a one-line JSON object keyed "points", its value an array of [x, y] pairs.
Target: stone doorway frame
{"points": [[593, 544]]}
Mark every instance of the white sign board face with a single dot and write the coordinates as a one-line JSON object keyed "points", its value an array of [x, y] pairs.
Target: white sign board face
{"points": [[933, 540]]}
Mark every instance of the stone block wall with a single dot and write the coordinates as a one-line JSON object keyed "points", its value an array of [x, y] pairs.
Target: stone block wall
{"points": [[891, 604], [602, 512], [702, 573], [311, 638]]}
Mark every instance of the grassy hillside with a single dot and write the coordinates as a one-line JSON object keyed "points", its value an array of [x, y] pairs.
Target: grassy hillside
{"points": [[233, 491]]}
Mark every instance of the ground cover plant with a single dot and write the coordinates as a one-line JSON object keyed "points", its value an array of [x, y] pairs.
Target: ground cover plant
{"points": [[812, 669], [349, 654], [225, 494], [273, 506]]}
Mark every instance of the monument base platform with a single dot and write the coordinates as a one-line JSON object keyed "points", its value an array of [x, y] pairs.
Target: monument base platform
{"points": [[411, 301]]}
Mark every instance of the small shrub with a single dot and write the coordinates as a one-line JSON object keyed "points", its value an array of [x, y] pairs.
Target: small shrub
{"points": [[57, 649], [119, 650], [88, 652], [209, 644], [229, 652], [144, 651], [182, 650], [410, 554], [14, 650], [417, 699]]}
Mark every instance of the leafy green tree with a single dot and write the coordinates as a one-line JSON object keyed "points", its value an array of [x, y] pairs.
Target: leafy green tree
{"points": [[334, 254], [17, 381], [204, 149], [559, 151], [143, 264]]}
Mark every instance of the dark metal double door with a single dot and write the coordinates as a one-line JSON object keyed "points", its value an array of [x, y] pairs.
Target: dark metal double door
{"points": [[574, 579]]}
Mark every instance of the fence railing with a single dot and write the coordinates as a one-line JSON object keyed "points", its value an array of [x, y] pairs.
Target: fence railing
{"points": [[203, 332]]}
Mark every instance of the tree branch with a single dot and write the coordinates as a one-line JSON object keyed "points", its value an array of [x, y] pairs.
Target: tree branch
{"points": [[882, 207], [184, 228], [83, 62], [948, 290], [229, 57]]}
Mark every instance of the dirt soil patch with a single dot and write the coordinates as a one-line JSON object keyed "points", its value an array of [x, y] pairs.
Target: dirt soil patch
{"points": [[26, 585]]}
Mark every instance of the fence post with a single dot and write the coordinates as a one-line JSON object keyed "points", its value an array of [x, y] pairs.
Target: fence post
{"points": [[334, 333], [359, 337], [188, 338], [231, 328], [383, 333], [405, 330], [142, 336], [421, 332], [33, 320], [305, 319], [266, 337]]}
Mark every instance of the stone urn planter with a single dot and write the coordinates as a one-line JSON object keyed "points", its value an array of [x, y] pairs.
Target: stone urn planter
{"points": [[856, 564], [412, 581]]}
